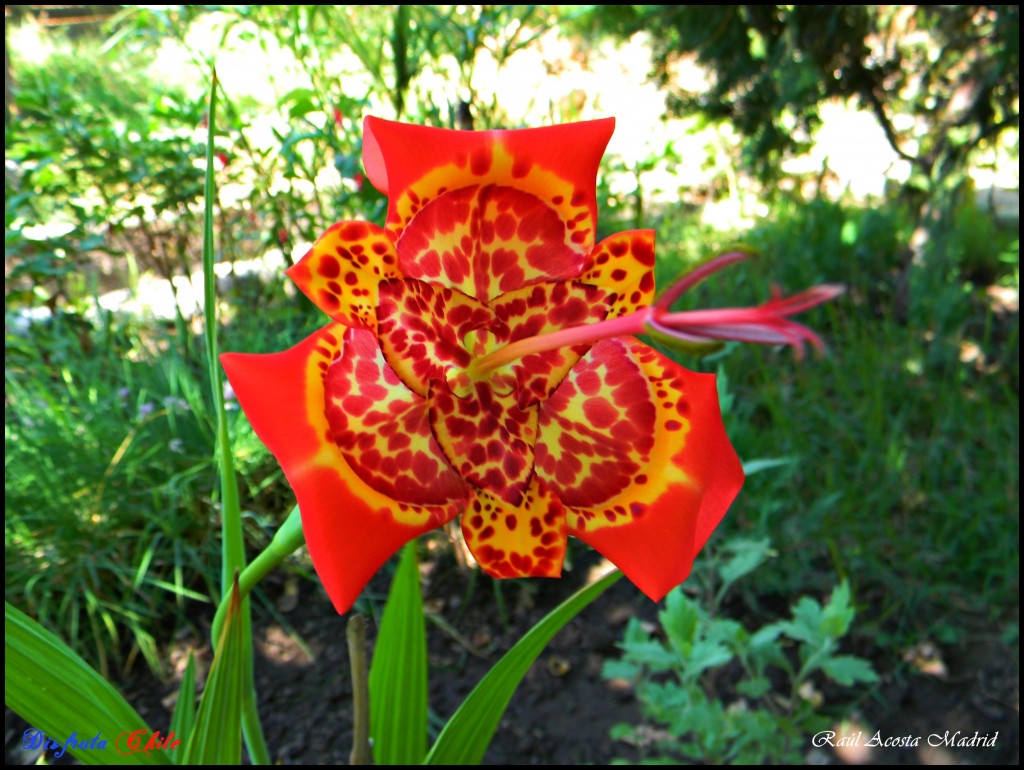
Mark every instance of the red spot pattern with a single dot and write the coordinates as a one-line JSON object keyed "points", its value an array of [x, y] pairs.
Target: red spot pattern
{"points": [[581, 427], [597, 428], [541, 309], [486, 241], [557, 431], [623, 265], [487, 438], [340, 274], [480, 161], [421, 329], [383, 429], [513, 541], [667, 388]]}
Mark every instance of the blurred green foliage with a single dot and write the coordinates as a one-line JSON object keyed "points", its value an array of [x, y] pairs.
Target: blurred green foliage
{"points": [[95, 150]]}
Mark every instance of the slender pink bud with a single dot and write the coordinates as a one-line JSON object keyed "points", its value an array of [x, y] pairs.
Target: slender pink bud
{"points": [[767, 324]]}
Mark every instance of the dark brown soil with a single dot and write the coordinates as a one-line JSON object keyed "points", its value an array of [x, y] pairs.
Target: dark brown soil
{"points": [[563, 710]]}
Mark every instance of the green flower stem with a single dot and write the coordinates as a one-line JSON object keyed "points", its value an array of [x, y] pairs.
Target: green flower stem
{"points": [[355, 632], [287, 540]]}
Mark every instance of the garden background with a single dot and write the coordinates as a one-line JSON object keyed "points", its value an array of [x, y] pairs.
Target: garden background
{"points": [[873, 147]]}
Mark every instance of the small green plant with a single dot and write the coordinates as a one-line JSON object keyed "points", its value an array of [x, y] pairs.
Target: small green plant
{"points": [[714, 691]]}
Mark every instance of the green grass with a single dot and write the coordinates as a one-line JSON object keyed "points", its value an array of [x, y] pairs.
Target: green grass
{"points": [[112, 516], [105, 469], [907, 473]]}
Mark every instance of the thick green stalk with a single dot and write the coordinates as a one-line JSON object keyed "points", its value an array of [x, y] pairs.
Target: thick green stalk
{"points": [[355, 632], [289, 538]]}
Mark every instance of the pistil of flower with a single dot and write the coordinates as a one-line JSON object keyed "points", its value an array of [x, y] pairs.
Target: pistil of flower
{"points": [[766, 324]]}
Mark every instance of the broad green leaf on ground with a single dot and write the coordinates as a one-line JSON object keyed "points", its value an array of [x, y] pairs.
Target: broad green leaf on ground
{"points": [[58, 693], [849, 670]]}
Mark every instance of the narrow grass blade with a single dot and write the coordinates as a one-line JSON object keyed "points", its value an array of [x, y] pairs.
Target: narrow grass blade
{"points": [[233, 552], [216, 737], [467, 734], [398, 674], [185, 709], [232, 540], [60, 694]]}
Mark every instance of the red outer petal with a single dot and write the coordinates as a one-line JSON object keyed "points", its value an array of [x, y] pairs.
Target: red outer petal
{"points": [[351, 529], [558, 164], [693, 477], [373, 159]]}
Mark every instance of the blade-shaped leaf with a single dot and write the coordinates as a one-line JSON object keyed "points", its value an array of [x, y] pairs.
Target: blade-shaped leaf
{"points": [[467, 734], [185, 709], [398, 674], [60, 694], [216, 737], [232, 540]]}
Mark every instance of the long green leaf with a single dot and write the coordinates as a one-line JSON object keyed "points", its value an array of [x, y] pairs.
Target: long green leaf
{"points": [[233, 549], [232, 540], [398, 674], [58, 693], [216, 737], [467, 734], [185, 709]]}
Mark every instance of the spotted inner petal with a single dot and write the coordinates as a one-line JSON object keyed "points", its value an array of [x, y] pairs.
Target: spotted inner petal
{"points": [[487, 438], [665, 460], [382, 428], [341, 272], [541, 309], [422, 329], [527, 540], [654, 528], [623, 265], [597, 428], [487, 240]]}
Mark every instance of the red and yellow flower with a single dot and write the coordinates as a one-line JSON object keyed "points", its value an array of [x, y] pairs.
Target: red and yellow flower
{"points": [[479, 361]]}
